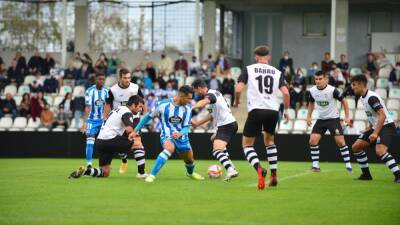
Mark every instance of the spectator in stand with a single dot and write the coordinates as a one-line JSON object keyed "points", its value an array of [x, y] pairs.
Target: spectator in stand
{"points": [[194, 67], [48, 64], [113, 64], [285, 62], [82, 74], [36, 64], [21, 63], [158, 91], [8, 106], [170, 92], [66, 104], [78, 108], [36, 86], [77, 61], [394, 77], [371, 81], [326, 64], [50, 84], [338, 78], [147, 82], [151, 100], [58, 73], [371, 66], [142, 65], [297, 89], [15, 74], [166, 66], [37, 105], [181, 65], [343, 65], [3, 75], [88, 60], [311, 72], [350, 129], [228, 87], [221, 65], [91, 81], [61, 119], [25, 106], [101, 64], [46, 117], [151, 71], [214, 83], [2, 62], [70, 73], [210, 65], [173, 81]]}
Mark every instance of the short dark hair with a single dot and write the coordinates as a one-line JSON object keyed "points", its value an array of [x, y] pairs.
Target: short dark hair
{"points": [[186, 90], [199, 83], [135, 99], [123, 71], [319, 73], [261, 50], [360, 78], [100, 73]]}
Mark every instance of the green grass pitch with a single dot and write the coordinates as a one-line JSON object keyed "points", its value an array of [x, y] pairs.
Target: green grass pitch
{"points": [[37, 191]]}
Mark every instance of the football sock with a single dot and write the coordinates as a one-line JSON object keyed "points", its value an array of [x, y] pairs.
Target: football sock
{"points": [[189, 168], [226, 152], [89, 149], [314, 149], [139, 157], [222, 158], [160, 161], [344, 151], [251, 156], [124, 157], [94, 172], [362, 160], [272, 154], [391, 163]]}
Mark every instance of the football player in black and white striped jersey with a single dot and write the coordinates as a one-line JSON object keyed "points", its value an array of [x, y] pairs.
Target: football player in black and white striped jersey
{"points": [[380, 134]]}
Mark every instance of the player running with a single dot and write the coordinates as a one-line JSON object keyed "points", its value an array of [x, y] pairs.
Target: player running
{"points": [[118, 96], [223, 119], [175, 115], [325, 96], [381, 133], [264, 82], [113, 137], [95, 98]]}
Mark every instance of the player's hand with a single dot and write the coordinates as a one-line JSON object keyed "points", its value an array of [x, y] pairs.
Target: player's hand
{"points": [[194, 124], [132, 135], [347, 121], [309, 122], [237, 103], [176, 135], [286, 116], [373, 137], [83, 128]]}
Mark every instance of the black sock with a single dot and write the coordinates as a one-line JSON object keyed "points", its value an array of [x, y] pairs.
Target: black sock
{"points": [[94, 172], [139, 157], [251, 156], [124, 157]]}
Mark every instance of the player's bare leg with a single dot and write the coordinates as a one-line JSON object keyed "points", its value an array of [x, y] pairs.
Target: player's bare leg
{"points": [[387, 158], [272, 155], [169, 149], [189, 164], [223, 158], [314, 149], [344, 151], [139, 155], [252, 157], [362, 159]]}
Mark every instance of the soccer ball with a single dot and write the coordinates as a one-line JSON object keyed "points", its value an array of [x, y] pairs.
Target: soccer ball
{"points": [[214, 172]]}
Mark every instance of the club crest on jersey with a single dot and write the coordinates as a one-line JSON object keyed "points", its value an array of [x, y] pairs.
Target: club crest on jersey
{"points": [[123, 103], [99, 102], [175, 119], [369, 114], [323, 103]]}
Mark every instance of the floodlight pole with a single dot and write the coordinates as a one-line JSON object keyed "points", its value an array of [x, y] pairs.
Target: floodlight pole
{"points": [[197, 31], [64, 34], [333, 28]]}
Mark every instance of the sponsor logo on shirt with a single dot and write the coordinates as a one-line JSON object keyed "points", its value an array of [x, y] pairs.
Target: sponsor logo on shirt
{"points": [[175, 119], [323, 103], [99, 102], [369, 114]]}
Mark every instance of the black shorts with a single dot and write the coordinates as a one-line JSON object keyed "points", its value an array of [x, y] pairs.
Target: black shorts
{"points": [[384, 137], [260, 120], [226, 132], [107, 148], [333, 125]]}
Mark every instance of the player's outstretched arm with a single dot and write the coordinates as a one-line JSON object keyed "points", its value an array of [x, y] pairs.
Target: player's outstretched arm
{"points": [[239, 88], [311, 106], [85, 118], [145, 120], [200, 104], [379, 124], [286, 101], [345, 105], [202, 121]]}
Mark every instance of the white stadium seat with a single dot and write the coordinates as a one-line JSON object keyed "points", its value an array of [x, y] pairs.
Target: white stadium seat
{"points": [[29, 79], [382, 83], [360, 125], [78, 91], [110, 81], [381, 92], [286, 126], [355, 71], [64, 90], [292, 113], [189, 80], [394, 115], [5, 123], [361, 115], [43, 129], [19, 124], [393, 104], [384, 72], [314, 114], [58, 100], [10, 89], [302, 114], [23, 89], [73, 126], [17, 100], [235, 71], [32, 125], [394, 93], [300, 125], [49, 99], [58, 129], [351, 102]]}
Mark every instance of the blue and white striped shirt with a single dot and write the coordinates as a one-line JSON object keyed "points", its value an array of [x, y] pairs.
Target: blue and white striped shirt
{"points": [[173, 118], [96, 99]]}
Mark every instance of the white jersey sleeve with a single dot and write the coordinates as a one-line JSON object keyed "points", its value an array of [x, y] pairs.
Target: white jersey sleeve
{"points": [[372, 104], [219, 108]]}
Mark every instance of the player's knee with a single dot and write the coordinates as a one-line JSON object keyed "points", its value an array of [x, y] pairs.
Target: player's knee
{"points": [[380, 150], [106, 171], [189, 161], [356, 147]]}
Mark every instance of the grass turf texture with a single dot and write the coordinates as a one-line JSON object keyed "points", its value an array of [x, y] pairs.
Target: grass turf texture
{"points": [[37, 191]]}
